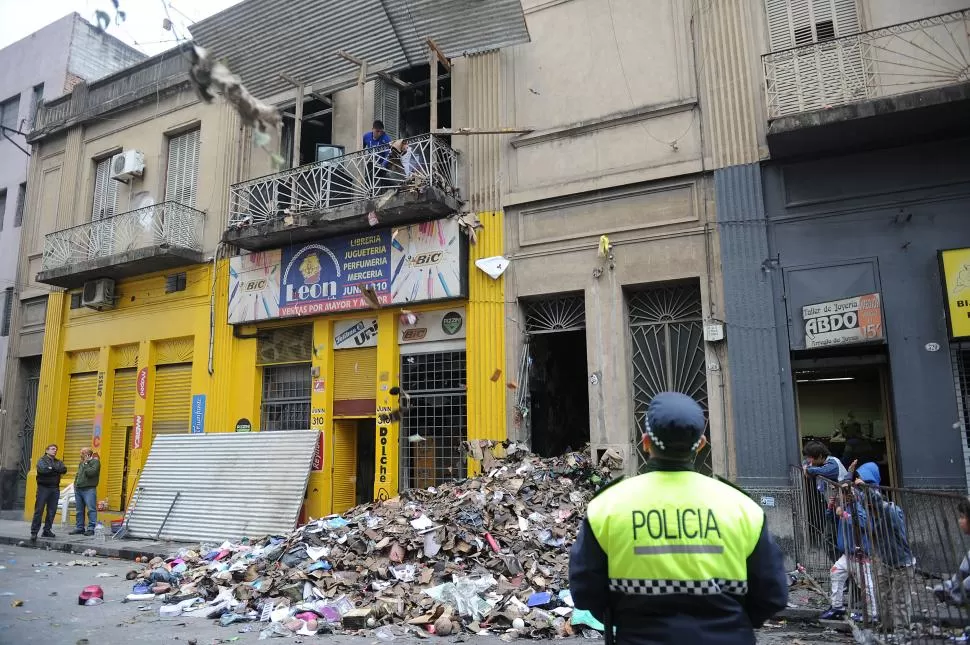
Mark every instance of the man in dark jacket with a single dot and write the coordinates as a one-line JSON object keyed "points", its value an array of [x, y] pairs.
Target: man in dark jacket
{"points": [[672, 556], [49, 471]]}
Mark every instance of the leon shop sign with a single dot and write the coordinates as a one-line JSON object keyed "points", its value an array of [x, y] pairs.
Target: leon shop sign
{"points": [[843, 322]]}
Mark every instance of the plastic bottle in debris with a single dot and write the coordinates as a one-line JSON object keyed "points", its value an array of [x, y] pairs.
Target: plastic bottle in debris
{"points": [[99, 534]]}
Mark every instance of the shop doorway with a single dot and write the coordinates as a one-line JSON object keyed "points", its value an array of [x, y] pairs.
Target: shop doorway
{"points": [[557, 374], [352, 463], [847, 408]]}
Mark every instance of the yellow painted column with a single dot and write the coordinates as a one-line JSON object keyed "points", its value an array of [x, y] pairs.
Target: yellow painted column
{"points": [[51, 395], [144, 395], [102, 429], [318, 501], [387, 443], [486, 377]]}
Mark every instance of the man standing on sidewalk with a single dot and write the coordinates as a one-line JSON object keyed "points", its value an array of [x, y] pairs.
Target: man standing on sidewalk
{"points": [[49, 471], [86, 491]]}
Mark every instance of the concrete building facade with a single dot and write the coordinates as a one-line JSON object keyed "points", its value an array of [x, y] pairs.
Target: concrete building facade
{"points": [[37, 68]]}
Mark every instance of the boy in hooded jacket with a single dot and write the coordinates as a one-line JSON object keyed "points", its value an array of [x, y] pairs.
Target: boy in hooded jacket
{"points": [[894, 562], [853, 544]]}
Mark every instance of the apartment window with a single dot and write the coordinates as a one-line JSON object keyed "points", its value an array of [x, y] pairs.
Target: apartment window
{"points": [[3, 207], [18, 217], [7, 309], [35, 100], [76, 300], [105, 191], [792, 23], [183, 168], [9, 110]]}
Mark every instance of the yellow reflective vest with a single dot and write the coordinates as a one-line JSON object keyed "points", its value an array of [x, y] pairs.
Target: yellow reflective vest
{"points": [[676, 533]]}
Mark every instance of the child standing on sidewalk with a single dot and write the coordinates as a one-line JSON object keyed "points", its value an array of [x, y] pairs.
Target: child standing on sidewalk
{"points": [[853, 544]]}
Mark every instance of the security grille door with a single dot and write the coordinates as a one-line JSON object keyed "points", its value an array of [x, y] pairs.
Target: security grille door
{"points": [[667, 339], [344, 465], [172, 407], [960, 360], [102, 209], [436, 421], [31, 388], [286, 397], [387, 106], [81, 395], [122, 412], [181, 180]]}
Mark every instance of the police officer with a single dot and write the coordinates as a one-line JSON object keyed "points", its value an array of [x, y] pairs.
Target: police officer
{"points": [[672, 556]]}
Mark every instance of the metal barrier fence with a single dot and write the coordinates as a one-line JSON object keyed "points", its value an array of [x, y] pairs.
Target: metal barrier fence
{"points": [[893, 549]]}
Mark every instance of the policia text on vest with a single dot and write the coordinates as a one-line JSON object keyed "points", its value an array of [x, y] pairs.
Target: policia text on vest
{"points": [[682, 523]]}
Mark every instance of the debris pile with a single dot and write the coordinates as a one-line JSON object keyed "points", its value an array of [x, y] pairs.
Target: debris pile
{"points": [[489, 553]]}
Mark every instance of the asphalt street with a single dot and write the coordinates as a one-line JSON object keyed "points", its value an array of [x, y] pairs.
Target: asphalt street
{"points": [[38, 604]]}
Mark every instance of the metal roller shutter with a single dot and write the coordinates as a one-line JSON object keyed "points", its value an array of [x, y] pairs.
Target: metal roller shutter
{"points": [[122, 412], [183, 168], [82, 392], [344, 465], [354, 374], [172, 408]]}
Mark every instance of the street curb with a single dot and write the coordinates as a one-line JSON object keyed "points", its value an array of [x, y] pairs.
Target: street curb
{"points": [[798, 614], [104, 550]]}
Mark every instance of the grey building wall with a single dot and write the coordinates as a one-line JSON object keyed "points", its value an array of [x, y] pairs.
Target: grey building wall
{"points": [[762, 449], [834, 228]]}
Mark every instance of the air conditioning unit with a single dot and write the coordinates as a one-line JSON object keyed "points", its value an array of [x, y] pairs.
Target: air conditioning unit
{"points": [[99, 294], [127, 164]]}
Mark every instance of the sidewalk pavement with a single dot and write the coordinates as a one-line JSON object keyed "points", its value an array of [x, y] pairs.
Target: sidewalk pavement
{"points": [[18, 533]]}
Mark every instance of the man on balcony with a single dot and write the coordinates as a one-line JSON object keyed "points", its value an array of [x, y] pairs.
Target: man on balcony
{"points": [[377, 162]]}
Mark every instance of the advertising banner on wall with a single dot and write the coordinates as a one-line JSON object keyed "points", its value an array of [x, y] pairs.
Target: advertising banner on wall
{"points": [[348, 334], [955, 269], [843, 322], [418, 263], [430, 326]]}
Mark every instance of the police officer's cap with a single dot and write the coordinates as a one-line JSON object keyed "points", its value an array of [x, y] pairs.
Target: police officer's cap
{"points": [[675, 423]]}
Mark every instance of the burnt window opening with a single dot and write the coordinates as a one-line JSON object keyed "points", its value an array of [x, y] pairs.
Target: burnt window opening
{"points": [[316, 134], [415, 100]]}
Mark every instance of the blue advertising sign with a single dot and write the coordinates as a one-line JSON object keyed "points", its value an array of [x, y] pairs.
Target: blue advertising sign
{"points": [[418, 263], [198, 413]]}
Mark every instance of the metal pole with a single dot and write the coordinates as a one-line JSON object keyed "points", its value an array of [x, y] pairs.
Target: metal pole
{"points": [[361, 83], [298, 126], [433, 87]]}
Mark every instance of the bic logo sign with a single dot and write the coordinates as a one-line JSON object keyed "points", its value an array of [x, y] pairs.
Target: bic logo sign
{"points": [[430, 258], [254, 285]]}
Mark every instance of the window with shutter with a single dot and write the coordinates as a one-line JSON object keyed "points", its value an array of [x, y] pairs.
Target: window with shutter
{"points": [[183, 168], [7, 311], [9, 111], [18, 217], [387, 106], [105, 191]]}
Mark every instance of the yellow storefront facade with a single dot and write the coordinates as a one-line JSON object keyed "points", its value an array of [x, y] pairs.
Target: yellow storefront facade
{"points": [[162, 362]]}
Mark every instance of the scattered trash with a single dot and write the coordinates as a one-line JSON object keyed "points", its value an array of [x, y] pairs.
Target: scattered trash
{"points": [[89, 553], [488, 554], [91, 595], [106, 575], [17, 603], [77, 563]]}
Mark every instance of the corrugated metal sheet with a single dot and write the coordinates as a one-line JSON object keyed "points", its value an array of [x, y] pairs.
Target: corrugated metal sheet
{"points": [[172, 407], [82, 392], [263, 38], [344, 465], [122, 412], [755, 372], [354, 373], [230, 485]]}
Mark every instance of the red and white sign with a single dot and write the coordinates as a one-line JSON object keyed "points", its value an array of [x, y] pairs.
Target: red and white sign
{"points": [[318, 454], [142, 383], [319, 385], [139, 430]]}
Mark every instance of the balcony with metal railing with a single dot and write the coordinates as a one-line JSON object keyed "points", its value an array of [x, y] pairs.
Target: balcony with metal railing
{"points": [[896, 76], [154, 238], [384, 186]]}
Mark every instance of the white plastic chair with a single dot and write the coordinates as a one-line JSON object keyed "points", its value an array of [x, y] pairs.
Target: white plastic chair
{"points": [[65, 502]]}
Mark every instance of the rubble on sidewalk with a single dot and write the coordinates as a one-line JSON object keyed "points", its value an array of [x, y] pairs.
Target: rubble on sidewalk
{"points": [[487, 554]]}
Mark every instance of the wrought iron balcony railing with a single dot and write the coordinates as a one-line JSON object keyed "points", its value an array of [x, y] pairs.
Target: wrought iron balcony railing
{"points": [[908, 57], [168, 224], [348, 179]]}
